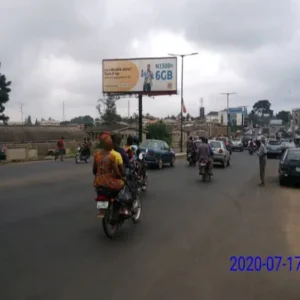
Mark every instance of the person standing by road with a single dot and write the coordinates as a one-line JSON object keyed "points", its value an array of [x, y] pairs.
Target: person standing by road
{"points": [[60, 149], [262, 156]]}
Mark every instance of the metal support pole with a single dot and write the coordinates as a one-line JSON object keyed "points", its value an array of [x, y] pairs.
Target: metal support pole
{"points": [[228, 121], [181, 112], [140, 118]]}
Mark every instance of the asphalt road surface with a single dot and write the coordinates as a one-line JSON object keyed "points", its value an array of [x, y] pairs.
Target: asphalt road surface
{"points": [[53, 247]]}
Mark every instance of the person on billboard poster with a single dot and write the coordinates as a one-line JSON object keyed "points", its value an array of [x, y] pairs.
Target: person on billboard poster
{"points": [[148, 77]]}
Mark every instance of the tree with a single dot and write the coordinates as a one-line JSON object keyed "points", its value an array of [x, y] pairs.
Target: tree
{"points": [[4, 96], [159, 131], [107, 109], [262, 111], [262, 108], [28, 121], [37, 123], [83, 120], [284, 116]]}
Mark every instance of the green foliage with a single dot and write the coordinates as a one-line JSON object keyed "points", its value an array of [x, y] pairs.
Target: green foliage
{"points": [[83, 120], [262, 107], [284, 116], [28, 121], [107, 109], [4, 97], [159, 131]]}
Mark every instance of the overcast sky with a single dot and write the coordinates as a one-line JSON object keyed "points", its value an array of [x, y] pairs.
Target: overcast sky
{"points": [[52, 51]]}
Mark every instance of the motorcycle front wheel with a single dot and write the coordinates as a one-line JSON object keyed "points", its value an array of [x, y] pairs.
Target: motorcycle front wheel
{"points": [[137, 208], [77, 158]]}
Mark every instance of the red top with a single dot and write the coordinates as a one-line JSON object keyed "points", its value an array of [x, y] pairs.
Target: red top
{"points": [[60, 144]]}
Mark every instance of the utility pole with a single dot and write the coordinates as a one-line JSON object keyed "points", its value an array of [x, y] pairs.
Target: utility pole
{"points": [[228, 117], [128, 109], [22, 122], [63, 111], [182, 102]]}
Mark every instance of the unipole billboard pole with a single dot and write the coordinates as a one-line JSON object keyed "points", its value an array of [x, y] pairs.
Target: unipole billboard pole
{"points": [[228, 115], [140, 118], [181, 112]]}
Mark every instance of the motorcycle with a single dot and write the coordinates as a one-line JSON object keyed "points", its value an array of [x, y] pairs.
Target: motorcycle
{"points": [[203, 170], [192, 158], [252, 150], [141, 172], [114, 208], [82, 155]]}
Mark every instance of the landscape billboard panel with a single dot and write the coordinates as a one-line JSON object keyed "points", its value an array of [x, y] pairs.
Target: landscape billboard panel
{"points": [[140, 75]]}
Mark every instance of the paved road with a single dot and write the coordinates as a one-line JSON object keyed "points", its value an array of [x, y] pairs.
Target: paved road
{"points": [[53, 247]]}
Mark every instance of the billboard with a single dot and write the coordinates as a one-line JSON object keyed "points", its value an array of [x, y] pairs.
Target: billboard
{"points": [[140, 75], [237, 115]]}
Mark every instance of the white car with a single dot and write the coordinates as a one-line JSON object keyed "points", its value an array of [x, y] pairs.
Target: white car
{"points": [[221, 154]]}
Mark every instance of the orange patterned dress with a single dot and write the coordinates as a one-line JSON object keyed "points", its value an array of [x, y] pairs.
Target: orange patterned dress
{"points": [[105, 175]]}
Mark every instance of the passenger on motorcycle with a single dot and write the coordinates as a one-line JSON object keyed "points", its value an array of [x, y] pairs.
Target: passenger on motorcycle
{"points": [[205, 153], [105, 167]]}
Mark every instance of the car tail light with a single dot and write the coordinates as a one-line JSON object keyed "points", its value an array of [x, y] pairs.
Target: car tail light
{"points": [[220, 151]]}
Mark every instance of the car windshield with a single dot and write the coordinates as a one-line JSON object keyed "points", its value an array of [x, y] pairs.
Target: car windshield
{"points": [[236, 140], [293, 156], [150, 144], [274, 143], [216, 145]]}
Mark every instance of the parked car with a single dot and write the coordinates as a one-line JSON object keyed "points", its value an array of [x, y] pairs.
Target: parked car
{"points": [[237, 144], [287, 144], [227, 143], [274, 148], [157, 153], [289, 167], [221, 154]]}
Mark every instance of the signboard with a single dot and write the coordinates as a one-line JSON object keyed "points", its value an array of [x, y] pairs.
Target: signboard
{"points": [[237, 116], [141, 75]]}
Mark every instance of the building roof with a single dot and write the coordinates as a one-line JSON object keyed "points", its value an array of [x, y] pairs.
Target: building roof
{"points": [[212, 113]]}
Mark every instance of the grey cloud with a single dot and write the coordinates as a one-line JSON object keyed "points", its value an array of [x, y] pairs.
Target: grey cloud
{"points": [[257, 38]]}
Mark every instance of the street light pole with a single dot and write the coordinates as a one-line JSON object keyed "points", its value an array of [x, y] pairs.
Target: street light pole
{"points": [[228, 121], [182, 102]]}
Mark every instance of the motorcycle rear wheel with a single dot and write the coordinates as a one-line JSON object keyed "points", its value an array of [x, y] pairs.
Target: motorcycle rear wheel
{"points": [[109, 229]]}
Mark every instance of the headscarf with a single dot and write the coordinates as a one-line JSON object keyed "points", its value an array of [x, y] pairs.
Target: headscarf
{"points": [[106, 140]]}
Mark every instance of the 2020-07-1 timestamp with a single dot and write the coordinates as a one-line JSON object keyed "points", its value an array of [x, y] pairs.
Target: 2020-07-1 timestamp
{"points": [[269, 263]]}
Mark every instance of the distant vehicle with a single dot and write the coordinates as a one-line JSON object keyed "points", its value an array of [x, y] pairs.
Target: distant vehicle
{"points": [[289, 167], [157, 153], [221, 154], [274, 148], [226, 142], [237, 144]]}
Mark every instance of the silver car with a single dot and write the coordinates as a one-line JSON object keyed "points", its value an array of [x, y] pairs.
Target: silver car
{"points": [[221, 154], [237, 144], [274, 148]]}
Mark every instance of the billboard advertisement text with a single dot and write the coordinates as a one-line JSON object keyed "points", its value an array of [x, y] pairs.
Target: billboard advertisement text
{"points": [[145, 75]]}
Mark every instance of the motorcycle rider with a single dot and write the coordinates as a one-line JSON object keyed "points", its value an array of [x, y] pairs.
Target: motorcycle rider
{"points": [[189, 145], [205, 153], [86, 147], [117, 142]]}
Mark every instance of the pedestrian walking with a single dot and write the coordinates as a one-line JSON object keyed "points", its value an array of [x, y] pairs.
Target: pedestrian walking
{"points": [[60, 149], [262, 156]]}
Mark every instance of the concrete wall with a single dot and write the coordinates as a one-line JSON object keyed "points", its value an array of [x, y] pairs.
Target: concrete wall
{"points": [[21, 154]]}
